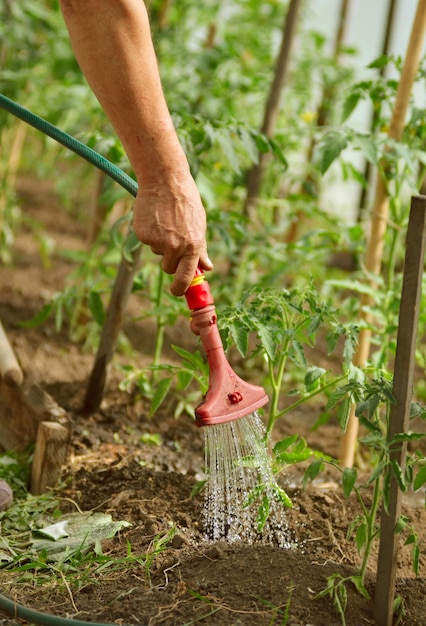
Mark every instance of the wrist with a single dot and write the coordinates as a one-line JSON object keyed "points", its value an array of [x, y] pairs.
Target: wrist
{"points": [[160, 161]]}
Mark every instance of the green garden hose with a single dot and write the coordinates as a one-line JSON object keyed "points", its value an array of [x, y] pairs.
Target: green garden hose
{"points": [[9, 606], [71, 143], [36, 617]]}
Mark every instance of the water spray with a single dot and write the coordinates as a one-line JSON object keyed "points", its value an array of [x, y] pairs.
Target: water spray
{"points": [[236, 448], [228, 397]]}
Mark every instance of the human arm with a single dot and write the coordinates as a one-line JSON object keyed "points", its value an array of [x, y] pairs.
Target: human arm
{"points": [[112, 43]]}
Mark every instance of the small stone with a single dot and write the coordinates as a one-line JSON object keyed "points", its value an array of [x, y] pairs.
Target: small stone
{"points": [[6, 495]]}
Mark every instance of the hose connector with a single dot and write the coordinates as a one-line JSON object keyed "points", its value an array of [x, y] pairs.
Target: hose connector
{"points": [[198, 293]]}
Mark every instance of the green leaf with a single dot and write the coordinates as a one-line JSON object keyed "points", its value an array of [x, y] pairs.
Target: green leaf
{"points": [[312, 471], [361, 537], [336, 397], [314, 324], [263, 513], [278, 152], [343, 413], [367, 146], [407, 437], [298, 353], [329, 149], [348, 480], [313, 374], [350, 104], [267, 338], [183, 379], [262, 142], [416, 558], [239, 333], [160, 394], [226, 143], [198, 487], [379, 63], [285, 443], [151, 439], [357, 581], [399, 475], [96, 307], [282, 496], [249, 144], [39, 318], [420, 478], [401, 523]]}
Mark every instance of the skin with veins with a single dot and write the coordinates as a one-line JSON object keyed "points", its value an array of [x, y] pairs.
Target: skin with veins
{"points": [[112, 43]]}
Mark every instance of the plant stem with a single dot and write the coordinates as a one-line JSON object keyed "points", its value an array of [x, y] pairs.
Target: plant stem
{"points": [[276, 382], [307, 397], [370, 517], [161, 322]]}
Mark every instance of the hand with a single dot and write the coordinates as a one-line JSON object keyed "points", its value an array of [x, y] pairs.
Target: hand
{"points": [[169, 217]]}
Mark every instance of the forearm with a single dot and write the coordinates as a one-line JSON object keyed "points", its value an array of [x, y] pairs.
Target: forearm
{"points": [[112, 43]]}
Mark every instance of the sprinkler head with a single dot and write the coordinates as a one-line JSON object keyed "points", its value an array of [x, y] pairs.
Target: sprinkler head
{"points": [[228, 396]]}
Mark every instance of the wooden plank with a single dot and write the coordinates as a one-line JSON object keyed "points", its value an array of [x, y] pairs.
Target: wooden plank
{"points": [[49, 456], [400, 411]]}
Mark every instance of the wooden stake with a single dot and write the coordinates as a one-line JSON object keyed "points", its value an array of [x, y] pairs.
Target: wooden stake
{"points": [[273, 102], [400, 411], [110, 331], [10, 370], [323, 110], [49, 456], [381, 209]]}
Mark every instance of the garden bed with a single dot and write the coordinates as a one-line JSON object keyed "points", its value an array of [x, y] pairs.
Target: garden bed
{"points": [[114, 467]]}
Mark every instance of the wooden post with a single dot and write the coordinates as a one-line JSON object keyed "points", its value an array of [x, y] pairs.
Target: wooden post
{"points": [[380, 210], [10, 370], [49, 456], [400, 411]]}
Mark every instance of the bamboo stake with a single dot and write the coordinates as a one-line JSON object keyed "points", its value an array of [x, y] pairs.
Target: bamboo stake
{"points": [[385, 49], [400, 411], [273, 102], [381, 209]]}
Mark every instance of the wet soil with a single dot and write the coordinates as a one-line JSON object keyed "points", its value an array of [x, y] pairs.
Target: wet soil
{"points": [[111, 467]]}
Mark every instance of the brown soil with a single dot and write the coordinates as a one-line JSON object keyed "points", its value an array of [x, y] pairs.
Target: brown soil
{"points": [[109, 469]]}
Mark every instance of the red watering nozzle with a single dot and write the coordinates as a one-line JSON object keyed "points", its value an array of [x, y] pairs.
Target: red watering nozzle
{"points": [[228, 396]]}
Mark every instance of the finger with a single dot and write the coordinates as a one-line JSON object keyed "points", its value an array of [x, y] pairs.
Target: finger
{"points": [[205, 262], [170, 261], [184, 274]]}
